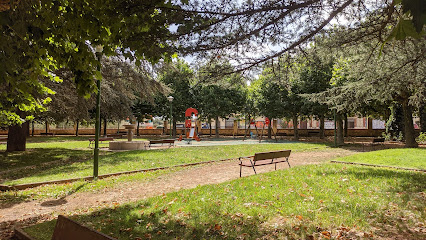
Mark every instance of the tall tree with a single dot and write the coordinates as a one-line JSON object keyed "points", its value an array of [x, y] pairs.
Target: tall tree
{"points": [[178, 76], [219, 94], [315, 77], [272, 97], [246, 30], [37, 37]]}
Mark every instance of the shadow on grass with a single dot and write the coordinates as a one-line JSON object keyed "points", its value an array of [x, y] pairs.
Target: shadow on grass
{"points": [[45, 139], [23, 164], [37, 156], [123, 223], [11, 198]]}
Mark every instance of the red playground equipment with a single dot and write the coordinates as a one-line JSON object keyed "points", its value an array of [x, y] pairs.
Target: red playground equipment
{"points": [[191, 118], [259, 126]]}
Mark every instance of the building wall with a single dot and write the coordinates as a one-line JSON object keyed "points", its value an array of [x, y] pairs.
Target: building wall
{"points": [[225, 132]]}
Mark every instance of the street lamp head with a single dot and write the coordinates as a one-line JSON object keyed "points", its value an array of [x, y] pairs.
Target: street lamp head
{"points": [[170, 98], [99, 48]]}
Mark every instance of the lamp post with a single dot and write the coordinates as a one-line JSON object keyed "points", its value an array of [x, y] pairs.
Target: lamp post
{"points": [[98, 50], [335, 132], [170, 98]]}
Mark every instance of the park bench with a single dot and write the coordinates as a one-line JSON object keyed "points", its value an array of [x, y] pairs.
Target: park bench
{"points": [[92, 140], [3, 140], [374, 142], [67, 229], [265, 158], [171, 142], [47, 134], [116, 135], [313, 133]]}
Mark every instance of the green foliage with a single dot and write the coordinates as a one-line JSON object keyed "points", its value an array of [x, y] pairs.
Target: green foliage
{"points": [[38, 37], [421, 138], [178, 77], [395, 123], [219, 92], [273, 98]]}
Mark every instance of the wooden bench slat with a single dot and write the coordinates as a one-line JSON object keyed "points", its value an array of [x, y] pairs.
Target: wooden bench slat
{"points": [[162, 141], [67, 229], [265, 158]]}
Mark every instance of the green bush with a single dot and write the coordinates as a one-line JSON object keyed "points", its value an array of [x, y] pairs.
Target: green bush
{"points": [[421, 138]]}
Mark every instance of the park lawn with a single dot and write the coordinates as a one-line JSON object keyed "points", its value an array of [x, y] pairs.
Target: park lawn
{"points": [[400, 157], [79, 163], [303, 202], [57, 191]]}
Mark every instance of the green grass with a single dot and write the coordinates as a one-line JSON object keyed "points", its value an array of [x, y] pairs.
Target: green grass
{"points": [[402, 157], [58, 191], [72, 162], [298, 203]]}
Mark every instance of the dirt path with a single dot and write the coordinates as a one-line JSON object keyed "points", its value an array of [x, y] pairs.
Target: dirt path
{"points": [[34, 211]]}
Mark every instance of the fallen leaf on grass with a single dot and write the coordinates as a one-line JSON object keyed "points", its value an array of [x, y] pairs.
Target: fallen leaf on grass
{"points": [[326, 234], [299, 217]]}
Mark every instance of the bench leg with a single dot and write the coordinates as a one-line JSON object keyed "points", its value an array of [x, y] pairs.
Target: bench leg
{"points": [[275, 166], [240, 169], [288, 163], [252, 165]]}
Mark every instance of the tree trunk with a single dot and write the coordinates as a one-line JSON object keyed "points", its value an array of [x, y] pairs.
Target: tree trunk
{"points": [[46, 127], [137, 130], [17, 137], [322, 132], [270, 130], [422, 115], [217, 124], [409, 133], [105, 127], [77, 125], [340, 132], [346, 125], [295, 128], [32, 128], [210, 126]]}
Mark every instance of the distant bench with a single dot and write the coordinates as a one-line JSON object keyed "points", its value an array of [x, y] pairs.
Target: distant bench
{"points": [[265, 158], [116, 135], [92, 140], [374, 142], [171, 142], [313, 133], [47, 134], [67, 229]]}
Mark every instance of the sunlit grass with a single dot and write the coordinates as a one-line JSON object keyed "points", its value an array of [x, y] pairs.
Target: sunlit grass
{"points": [[402, 157], [299, 203]]}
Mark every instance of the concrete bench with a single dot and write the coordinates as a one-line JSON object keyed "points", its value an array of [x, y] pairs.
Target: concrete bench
{"points": [[92, 140], [171, 142], [264, 158]]}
